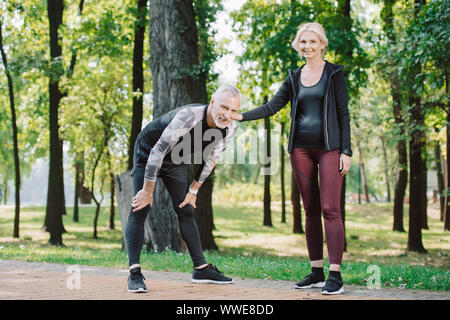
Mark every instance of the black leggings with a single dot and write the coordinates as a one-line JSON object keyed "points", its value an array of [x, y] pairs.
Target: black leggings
{"points": [[175, 178]]}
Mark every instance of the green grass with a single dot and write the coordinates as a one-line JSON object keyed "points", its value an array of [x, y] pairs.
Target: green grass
{"points": [[247, 249]]}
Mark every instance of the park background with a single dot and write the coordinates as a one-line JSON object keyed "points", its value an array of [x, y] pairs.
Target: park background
{"points": [[81, 79]]}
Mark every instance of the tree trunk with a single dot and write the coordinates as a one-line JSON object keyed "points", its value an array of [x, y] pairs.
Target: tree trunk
{"points": [[439, 175], [423, 185], [447, 197], [174, 64], [5, 193], [359, 184], [402, 181], [444, 189], [112, 208], [417, 178], [64, 93], [78, 184], [55, 194], [394, 81], [97, 212], [77, 189], [283, 187], [14, 135], [363, 173], [138, 77], [267, 162], [447, 166], [296, 207], [174, 56], [85, 195], [386, 169]]}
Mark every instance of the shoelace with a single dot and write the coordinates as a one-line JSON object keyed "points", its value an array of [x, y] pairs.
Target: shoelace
{"points": [[137, 275], [215, 268]]}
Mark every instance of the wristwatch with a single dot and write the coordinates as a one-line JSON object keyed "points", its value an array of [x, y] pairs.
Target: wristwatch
{"points": [[193, 191]]}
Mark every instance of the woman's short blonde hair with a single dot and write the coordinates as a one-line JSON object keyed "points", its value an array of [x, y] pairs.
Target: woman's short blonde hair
{"points": [[310, 26]]}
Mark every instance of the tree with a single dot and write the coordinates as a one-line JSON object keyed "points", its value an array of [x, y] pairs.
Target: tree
{"points": [[138, 76], [417, 177], [177, 80], [391, 68], [204, 14], [430, 34], [363, 172], [77, 163], [267, 163], [94, 120], [14, 135], [55, 194]]}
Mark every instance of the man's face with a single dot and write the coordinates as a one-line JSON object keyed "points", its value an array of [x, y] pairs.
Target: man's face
{"points": [[225, 109]]}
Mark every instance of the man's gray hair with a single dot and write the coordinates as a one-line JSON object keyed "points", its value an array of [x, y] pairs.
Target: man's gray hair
{"points": [[229, 89]]}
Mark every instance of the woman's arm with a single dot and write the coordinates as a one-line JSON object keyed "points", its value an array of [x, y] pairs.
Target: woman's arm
{"points": [[342, 112], [275, 104]]}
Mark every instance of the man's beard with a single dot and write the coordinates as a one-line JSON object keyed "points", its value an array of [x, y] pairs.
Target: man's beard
{"points": [[216, 117]]}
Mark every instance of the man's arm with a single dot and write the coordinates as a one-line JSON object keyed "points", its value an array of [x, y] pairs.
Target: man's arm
{"points": [[183, 121], [144, 197], [208, 165]]}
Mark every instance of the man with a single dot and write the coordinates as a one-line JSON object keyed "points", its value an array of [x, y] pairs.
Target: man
{"points": [[154, 155]]}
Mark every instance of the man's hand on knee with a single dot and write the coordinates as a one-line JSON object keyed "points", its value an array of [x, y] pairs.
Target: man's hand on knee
{"points": [[144, 197], [189, 199]]}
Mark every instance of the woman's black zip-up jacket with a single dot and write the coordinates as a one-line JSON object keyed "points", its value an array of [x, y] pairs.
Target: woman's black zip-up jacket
{"points": [[335, 103]]}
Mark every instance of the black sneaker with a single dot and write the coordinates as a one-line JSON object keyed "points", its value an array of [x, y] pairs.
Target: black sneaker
{"points": [[334, 284], [210, 274], [315, 279], [136, 281]]}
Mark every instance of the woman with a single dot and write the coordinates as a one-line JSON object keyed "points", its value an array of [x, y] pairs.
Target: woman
{"points": [[319, 147]]}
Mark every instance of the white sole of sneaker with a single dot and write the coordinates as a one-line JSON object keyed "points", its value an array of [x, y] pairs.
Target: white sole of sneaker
{"points": [[315, 285], [211, 281], [140, 290], [340, 291]]}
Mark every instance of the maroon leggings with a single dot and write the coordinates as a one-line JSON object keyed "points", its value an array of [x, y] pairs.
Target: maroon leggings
{"points": [[309, 165]]}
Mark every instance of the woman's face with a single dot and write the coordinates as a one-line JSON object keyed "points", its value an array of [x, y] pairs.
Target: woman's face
{"points": [[310, 45]]}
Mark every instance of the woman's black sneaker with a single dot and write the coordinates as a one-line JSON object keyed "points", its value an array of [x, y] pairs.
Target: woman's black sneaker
{"points": [[316, 279], [210, 274], [334, 284], [136, 281]]}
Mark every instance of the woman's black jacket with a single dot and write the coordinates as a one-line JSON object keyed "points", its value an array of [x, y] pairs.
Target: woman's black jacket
{"points": [[335, 103]]}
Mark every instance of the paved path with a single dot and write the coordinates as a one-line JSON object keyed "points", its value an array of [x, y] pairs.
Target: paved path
{"points": [[20, 280]]}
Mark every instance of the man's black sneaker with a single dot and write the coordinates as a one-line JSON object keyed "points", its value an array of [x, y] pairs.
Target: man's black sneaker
{"points": [[210, 274], [136, 281], [334, 284], [315, 279]]}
